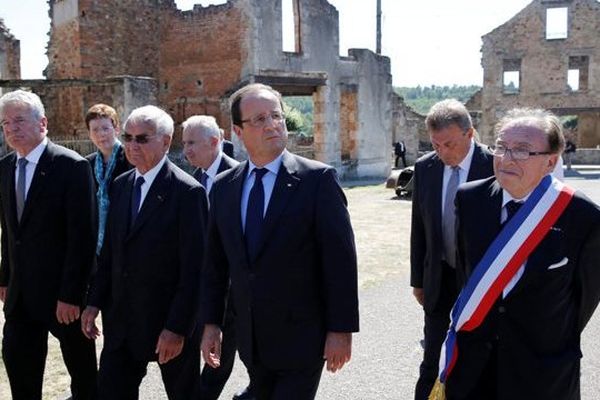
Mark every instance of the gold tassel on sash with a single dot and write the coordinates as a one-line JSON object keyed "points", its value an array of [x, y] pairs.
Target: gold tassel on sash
{"points": [[438, 392]]}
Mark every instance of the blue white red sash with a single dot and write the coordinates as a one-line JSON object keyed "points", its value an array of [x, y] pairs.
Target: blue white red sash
{"points": [[515, 242]]}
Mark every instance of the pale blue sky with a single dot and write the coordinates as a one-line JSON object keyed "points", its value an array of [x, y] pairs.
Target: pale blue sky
{"points": [[428, 41]]}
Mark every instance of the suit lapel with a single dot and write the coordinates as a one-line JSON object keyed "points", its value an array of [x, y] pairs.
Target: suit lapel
{"points": [[478, 168], [8, 191], [232, 199], [39, 181], [285, 185], [156, 196], [435, 195]]}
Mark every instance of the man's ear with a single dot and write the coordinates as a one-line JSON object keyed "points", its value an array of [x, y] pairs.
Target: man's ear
{"points": [[238, 131], [552, 160]]}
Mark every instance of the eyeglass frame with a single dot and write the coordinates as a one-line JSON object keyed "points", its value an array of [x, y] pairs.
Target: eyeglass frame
{"points": [[528, 153], [253, 123], [139, 139]]}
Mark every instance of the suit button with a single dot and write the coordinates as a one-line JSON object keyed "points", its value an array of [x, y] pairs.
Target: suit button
{"points": [[125, 274], [488, 345], [501, 309], [18, 242], [252, 276]]}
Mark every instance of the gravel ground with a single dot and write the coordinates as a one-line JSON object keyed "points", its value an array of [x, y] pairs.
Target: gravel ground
{"points": [[386, 353]]}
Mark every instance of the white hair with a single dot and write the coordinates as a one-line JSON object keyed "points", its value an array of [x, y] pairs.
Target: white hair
{"points": [[31, 100], [206, 124], [156, 117]]}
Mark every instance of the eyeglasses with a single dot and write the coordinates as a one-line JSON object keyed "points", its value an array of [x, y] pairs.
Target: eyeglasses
{"points": [[139, 139], [259, 121], [499, 150]]}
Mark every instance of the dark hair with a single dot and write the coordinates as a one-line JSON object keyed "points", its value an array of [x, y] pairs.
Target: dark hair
{"points": [[236, 99], [98, 111], [446, 113]]}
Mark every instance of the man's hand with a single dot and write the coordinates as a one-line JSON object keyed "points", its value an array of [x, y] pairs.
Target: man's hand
{"points": [[88, 322], [338, 350], [169, 346], [419, 295], [211, 345], [3, 290], [66, 313]]}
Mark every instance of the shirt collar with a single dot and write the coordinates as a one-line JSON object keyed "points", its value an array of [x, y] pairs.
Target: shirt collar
{"points": [[35, 154], [151, 174], [214, 167], [506, 197], [273, 166]]}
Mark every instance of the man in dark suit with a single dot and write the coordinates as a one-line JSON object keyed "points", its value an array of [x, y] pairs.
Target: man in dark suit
{"points": [[202, 146], [148, 270], [457, 158], [528, 344], [46, 210], [279, 228]]}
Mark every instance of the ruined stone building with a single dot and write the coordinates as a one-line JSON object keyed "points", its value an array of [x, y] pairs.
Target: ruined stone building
{"points": [[10, 54], [133, 52], [548, 55]]}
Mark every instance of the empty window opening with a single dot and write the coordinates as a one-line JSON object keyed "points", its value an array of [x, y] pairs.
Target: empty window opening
{"points": [[290, 18], [573, 79], [557, 23], [511, 77], [577, 76]]}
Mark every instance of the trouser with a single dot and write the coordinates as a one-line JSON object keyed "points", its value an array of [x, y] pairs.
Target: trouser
{"points": [[24, 350], [436, 327], [121, 373], [300, 384]]}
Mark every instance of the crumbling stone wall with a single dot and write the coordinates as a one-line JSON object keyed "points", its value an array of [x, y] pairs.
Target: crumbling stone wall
{"points": [[199, 57], [66, 102], [10, 54], [544, 63], [409, 126]]}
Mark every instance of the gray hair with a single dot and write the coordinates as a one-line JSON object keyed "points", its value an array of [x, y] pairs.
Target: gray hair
{"points": [[206, 124], [446, 113], [538, 118], [29, 99], [156, 117]]}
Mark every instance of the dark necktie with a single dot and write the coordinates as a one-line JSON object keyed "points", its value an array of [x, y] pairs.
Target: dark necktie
{"points": [[255, 213], [511, 209], [449, 218], [136, 198], [203, 179], [21, 187]]}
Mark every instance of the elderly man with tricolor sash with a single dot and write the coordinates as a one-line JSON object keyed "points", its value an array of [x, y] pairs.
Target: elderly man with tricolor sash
{"points": [[528, 251]]}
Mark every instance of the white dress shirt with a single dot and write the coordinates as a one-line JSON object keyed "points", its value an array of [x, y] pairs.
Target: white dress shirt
{"points": [[33, 159], [268, 184], [148, 179]]}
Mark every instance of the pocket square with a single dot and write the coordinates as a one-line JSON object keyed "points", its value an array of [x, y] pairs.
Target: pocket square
{"points": [[559, 264]]}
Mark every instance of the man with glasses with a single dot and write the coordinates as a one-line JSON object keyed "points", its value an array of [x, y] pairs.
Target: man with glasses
{"points": [[48, 242], [280, 230], [148, 270], [540, 239], [456, 158]]}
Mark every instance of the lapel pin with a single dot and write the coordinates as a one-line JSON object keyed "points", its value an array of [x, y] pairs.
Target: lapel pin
{"points": [[43, 173], [159, 197], [289, 185]]}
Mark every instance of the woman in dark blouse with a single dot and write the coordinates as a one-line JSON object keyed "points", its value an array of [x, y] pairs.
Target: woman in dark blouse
{"points": [[108, 161]]}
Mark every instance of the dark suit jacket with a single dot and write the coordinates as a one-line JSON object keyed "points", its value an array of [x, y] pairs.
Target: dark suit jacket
{"points": [[226, 163], [148, 275], [426, 234], [303, 281], [121, 166], [538, 324], [48, 256]]}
